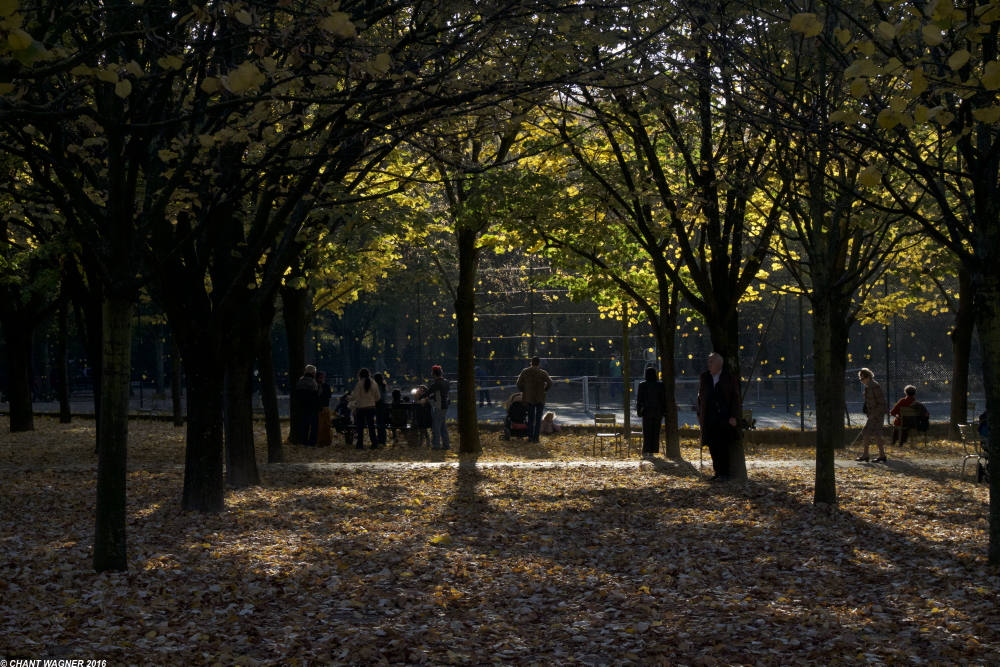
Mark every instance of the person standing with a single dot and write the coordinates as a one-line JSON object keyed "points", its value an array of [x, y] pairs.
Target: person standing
{"points": [[875, 409], [616, 376], [437, 393], [307, 396], [651, 405], [534, 383], [365, 395], [324, 437], [381, 408], [719, 409], [484, 393]]}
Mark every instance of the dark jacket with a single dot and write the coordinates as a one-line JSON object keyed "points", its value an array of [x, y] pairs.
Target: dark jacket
{"points": [[533, 383], [325, 392], [652, 396], [438, 391], [730, 392], [307, 394]]}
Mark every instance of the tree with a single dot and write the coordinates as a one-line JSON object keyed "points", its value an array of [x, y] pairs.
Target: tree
{"points": [[680, 175], [30, 256], [833, 248], [924, 83], [475, 192]]}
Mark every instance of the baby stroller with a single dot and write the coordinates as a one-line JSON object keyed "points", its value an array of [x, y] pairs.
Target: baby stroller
{"points": [[515, 422]]}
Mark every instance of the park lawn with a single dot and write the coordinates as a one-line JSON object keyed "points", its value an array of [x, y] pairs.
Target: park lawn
{"points": [[159, 443], [478, 565]]}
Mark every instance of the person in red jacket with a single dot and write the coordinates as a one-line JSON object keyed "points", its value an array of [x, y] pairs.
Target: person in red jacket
{"points": [[908, 400]]}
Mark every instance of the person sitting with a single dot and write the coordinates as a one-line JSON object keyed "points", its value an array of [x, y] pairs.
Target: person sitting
{"points": [[424, 417], [549, 425], [342, 412], [907, 401]]}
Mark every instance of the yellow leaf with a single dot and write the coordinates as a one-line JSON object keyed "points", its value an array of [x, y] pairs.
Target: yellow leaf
{"points": [[843, 36], [8, 7], [123, 88], [945, 117], [339, 24], [135, 69], [920, 114], [870, 177], [991, 75], [19, 40], [6, 88], [958, 59], [897, 104], [886, 30], [207, 140], [383, 62], [211, 85], [441, 540], [858, 88], [171, 62], [989, 114], [151, 634], [107, 75], [81, 70], [243, 16], [932, 35], [887, 119]]}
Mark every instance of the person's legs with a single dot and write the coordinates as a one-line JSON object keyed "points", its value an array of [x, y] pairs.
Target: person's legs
{"points": [[312, 429], [534, 411], [445, 441], [366, 417], [437, 418], [373, 434], [651, 432], [381, 419], [716, 437]]}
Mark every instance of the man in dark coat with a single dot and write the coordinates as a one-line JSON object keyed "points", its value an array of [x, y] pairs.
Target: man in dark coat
{"points": [[307, 395], [719, 411]]}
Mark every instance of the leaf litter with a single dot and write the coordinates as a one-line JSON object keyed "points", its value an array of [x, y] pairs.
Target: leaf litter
{"points": [[570, 566]]}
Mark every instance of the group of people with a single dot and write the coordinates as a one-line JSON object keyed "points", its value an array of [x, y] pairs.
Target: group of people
{"points": [[719, 410], [367, 407]]}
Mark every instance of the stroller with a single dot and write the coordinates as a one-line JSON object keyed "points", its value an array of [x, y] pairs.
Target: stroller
{"points": [[515, 423]]}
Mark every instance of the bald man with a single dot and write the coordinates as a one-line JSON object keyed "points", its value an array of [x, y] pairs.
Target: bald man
{"points": [[719, 409]]}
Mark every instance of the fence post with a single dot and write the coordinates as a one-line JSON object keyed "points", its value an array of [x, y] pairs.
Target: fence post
{"points": [[586, 395]]}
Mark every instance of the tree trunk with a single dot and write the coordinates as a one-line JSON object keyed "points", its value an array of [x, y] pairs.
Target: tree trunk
{"points": [[112, 463], [175, 381], [830, 331], [241, 461], [18, 345], [961, 347], [158, 347], [465, 313], [987, 307], [665, 331], [204, 485], [294, 313], [269, 398], [62, 372], [626, 379]]}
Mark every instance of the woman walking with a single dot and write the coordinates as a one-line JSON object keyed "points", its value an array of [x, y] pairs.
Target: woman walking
{"points": [[324, 434], [366, 395], [651, 405], [875, 409]]}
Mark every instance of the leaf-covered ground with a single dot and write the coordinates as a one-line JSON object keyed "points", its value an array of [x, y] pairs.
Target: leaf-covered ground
{"points": [[493, 565]]}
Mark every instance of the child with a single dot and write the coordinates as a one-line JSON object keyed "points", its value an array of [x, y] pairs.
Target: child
{"points": [[549, 425], [394, 412], [424, 417]]}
